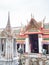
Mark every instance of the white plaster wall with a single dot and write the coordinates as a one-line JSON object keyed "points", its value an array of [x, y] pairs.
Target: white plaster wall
{"points": [[27, 48], [40, 43], [9, 49]]}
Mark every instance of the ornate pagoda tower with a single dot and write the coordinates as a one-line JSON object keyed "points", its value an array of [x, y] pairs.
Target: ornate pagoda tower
{"points": [[8, 41]]}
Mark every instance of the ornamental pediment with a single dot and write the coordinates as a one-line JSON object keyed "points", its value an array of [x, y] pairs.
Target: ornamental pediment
{"points": [[33, 25], [33, 30]]}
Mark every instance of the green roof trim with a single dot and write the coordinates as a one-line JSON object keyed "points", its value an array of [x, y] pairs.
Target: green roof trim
{"points": [[46, 26], [46, 39], [16, 31], [20, 39], [33, 30]]}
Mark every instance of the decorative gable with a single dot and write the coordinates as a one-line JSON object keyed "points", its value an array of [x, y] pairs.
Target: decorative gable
{"points": [[33, 26], [33, 30]]}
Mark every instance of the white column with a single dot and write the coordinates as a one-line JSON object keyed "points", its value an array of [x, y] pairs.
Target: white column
{"points": [[40, 43], [27, 48], [0, 44], [9, 49], [12, 48], [6, 50], [20, 46], [0, 47], [23, 48], [16, 48]]}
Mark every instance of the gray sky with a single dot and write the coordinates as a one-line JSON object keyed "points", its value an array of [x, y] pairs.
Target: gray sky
{"points": [[20, 11]]}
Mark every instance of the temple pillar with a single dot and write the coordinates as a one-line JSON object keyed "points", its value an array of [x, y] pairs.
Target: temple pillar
{"points": [[9, 49], [16, 48], [40, 43], [0, 46], [27, 48], [12, 54], [23, 47]]}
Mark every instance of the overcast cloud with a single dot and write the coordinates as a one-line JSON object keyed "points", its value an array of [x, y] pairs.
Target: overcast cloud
{"points": [[20, 11]]}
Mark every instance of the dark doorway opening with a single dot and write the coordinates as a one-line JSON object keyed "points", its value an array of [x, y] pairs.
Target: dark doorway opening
{"points": [[22, 46], [33, 38], [18, 46], [45, 46]]}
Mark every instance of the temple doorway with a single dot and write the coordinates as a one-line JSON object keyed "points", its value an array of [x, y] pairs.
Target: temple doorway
{"points": [[46, 47], [33, 39], [22, 47]]}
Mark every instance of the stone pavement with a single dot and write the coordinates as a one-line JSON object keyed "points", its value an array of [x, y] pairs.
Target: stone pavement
{"points": [[31, 59], [34, 59], [35, 62]]}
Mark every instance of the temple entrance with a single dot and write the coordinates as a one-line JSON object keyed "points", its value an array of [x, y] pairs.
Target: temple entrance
{"points": [[46, 47], [22, 46], [33, 38]]}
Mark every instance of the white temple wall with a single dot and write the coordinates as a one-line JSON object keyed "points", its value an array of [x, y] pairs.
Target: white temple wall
{"points": [[27, 48], [16, 47], [9, 49], [0, 46], [40, 42]]}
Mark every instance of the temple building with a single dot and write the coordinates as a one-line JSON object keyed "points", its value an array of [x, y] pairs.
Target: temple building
{"points": [[32, 38], [36, 36]]}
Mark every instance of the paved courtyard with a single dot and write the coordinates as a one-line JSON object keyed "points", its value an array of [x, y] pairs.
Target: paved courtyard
{"points": [[31, 59]]}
